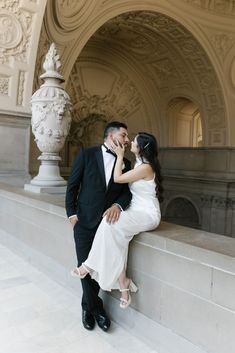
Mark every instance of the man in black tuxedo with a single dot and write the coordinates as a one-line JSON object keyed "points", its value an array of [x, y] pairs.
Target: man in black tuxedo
{"points": [[92, 194]]}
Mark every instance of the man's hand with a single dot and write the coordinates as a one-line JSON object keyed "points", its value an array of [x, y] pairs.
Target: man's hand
{"points": [[73, 220], [112, 214]]}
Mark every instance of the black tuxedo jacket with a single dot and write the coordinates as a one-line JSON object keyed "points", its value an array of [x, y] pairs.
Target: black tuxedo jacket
{"points": [[87, 194]]}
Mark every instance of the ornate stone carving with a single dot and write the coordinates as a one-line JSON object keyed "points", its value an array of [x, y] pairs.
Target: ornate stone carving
{"points": [[10, 30], [163, 50], [207, 200], [222, 43], [15, 31], [214, 118], [222, 203], [79, 132], [44, 43], [123, 99], [20, 95], [217, 137], [217, 6], [70, 14], [51, 118], [189, 68], [4, 85]]}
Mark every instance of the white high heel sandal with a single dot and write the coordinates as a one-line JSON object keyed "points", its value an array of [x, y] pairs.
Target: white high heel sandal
{"points": [[76, 272], [132, 288]]}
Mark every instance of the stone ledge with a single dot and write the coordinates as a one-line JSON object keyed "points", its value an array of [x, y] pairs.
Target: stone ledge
{"points": [[184, 275]]}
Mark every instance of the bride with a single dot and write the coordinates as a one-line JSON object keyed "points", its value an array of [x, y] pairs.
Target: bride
{"points": [[107, 260]]}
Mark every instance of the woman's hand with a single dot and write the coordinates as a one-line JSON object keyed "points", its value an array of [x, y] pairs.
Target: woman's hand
{"points": [[73, 220], [119, 149]]}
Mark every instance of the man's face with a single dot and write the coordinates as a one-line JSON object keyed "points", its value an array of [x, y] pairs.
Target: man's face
{"points": [[121, 135]]}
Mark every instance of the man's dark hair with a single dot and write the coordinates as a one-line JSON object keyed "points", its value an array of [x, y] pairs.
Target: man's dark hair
{"points": [[114, 125]]}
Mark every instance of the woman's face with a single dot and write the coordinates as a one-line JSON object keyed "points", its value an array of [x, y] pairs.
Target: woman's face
{"points": [[134, 146]]}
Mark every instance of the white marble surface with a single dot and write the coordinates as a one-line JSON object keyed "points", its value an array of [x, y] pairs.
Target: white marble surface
{"points": [[37, 315]]}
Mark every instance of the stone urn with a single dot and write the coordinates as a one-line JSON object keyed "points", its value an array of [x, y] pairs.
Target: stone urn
{"points": [[51, 119]]}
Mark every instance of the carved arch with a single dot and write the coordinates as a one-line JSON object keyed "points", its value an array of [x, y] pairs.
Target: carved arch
{"points": [[168, 23]]}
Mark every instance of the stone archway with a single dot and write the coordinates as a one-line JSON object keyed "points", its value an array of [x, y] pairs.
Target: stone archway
{"points": [[167, 55]]}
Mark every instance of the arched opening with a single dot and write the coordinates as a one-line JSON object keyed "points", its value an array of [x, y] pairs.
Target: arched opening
{"points": [[182, 211], [131, 67], [185, 127]]}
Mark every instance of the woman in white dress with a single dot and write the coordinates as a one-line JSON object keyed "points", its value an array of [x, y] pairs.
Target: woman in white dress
{"points": [[107, 259]]}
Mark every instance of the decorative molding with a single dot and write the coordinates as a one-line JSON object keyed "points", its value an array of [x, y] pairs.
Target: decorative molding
{"points": [[169, 56], [20, 95], [217, 137], [165, 52], [222, 43], [207, 200], [16, 29], [220, 7], [79, 130], [10, 30], [222, 203], [4, 85], [69, 15], [122, 99]]}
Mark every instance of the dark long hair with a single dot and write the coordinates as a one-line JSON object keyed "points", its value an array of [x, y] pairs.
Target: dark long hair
{"points": [[148, 153]]}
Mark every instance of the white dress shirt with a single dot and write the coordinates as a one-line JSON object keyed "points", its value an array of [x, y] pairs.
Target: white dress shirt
{"points": [[109, 160]]}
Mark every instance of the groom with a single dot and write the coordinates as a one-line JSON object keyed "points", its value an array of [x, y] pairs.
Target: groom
{"points": [[91, 195]]}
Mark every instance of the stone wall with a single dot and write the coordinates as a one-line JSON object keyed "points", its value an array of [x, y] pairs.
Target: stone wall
{"points": [[14, 148], [200, 188]]}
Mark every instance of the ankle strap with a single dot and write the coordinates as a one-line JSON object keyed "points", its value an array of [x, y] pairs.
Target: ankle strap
{"points": [[124, 290]]}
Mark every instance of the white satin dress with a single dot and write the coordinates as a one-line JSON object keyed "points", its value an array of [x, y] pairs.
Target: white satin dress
{"points": [[108, 255]]}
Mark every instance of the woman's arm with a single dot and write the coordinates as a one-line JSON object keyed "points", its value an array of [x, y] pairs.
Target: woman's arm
{"points": [[141, 172]]}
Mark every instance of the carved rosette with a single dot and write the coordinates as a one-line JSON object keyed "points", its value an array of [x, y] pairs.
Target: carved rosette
{"points": [[51, 119]]}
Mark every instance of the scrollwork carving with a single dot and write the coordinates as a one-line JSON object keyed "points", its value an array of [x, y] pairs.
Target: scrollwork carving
{"points": [[21, 88], [4, 85], [222, 43], [123, 99], [15, 29], [206, 200], [69, 14], [140, 33], [226, 7], [79, 130], [10, 30]]}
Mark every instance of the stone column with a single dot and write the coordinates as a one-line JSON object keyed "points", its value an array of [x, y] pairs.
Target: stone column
{"points": [[51, 119]]}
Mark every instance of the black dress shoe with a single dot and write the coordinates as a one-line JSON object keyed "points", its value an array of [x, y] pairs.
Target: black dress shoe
{"points": [[88, 320], [102, 320]]}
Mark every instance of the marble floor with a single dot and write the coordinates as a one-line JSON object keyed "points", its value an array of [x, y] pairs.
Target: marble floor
{"points": [[37, 315]]}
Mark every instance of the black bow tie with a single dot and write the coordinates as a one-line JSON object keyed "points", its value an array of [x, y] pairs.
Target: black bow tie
{"points": [[108, 150]]}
